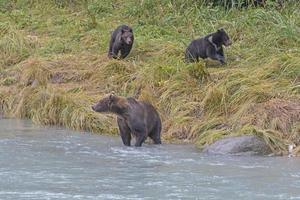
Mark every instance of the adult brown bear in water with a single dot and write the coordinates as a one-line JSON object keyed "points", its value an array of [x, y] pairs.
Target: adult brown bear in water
{"points": [[134, 117]]}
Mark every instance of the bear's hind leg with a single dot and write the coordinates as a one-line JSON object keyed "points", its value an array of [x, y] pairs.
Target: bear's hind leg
{"points": [[156, 139], [155, 134], [191, 55], [140, 138]]}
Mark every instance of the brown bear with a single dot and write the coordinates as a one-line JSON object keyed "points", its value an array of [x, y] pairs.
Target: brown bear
{"points": [[209, 46], [138, 118], [121, 41]]}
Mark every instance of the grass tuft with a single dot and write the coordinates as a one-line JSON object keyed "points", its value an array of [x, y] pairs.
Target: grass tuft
{"points": [[15, 46]]}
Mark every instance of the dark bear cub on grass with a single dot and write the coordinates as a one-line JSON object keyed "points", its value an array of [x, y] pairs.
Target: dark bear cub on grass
{"points": [[209, 46], [121, 41], [134, 117]]}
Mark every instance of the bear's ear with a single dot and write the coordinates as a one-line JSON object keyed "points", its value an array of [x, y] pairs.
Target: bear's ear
{"points": [[112, 96], [221, 30]]}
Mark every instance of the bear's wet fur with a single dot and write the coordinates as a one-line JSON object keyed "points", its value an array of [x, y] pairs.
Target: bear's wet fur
{"points": [[138, 118], [121, 41], [209, 46]]}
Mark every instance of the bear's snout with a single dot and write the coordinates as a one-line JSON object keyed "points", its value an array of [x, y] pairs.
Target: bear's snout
{"points": [[128, 41], [93, 108], [228, 43]]}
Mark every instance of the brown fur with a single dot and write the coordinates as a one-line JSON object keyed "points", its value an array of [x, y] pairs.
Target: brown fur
{"points": [[121, 41], [135, 117]]}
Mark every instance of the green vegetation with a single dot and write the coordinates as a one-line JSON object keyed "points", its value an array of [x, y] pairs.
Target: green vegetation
{"points": [[54, 66]]}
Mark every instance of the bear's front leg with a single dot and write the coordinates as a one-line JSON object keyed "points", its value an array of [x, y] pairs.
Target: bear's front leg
{"points": [[221, 56], [221, 59], [125, 51], [115, 51], [213, 54], [110, 54], [124, 131]]}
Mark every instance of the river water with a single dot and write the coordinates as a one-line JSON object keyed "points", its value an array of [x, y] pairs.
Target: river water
{"points": [[53, 163]]}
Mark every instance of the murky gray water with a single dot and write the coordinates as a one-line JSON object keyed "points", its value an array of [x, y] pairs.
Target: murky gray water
{"points": [[53, 163]]}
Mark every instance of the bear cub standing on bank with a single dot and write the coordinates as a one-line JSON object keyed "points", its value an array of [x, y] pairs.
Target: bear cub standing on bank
{"points": [[121, 41], [209, 46], [134, 117]]}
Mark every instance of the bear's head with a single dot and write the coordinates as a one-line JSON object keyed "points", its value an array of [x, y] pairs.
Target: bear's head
{"points": [[127, 36], [224, 37], [111, 103]]}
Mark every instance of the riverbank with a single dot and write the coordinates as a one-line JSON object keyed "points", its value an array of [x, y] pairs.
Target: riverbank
{"points": [[54, 66]]}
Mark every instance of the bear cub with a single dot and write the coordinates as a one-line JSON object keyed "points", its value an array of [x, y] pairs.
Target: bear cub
{"points": [[134, 117], [121, 41], [209, 46]]}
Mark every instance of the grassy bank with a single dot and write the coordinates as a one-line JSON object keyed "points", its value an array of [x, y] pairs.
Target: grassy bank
{"points": [[54, 66]]}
